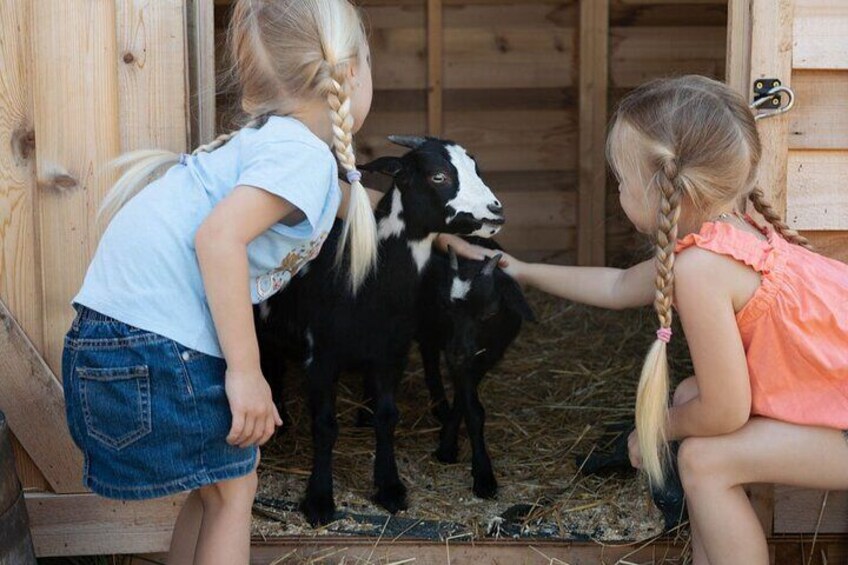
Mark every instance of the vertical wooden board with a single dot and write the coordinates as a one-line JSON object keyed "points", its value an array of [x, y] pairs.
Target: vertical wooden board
{"points": [[76, 125], [435, 65], [820, 34], [738, 69], [19, 262], [771, 57], [151, 71], [817, 199], [200, 15], [594, 66]]}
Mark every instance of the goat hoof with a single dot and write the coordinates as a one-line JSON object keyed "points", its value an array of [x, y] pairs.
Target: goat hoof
{"points": [[364, 419], [448, 456], [485, 486], [392, 497], [318, 509], [441, 413]]}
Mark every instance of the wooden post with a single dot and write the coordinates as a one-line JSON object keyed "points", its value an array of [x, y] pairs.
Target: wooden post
{"points": [[594, 73], [435, 63], [738, 69], [201, 63]]}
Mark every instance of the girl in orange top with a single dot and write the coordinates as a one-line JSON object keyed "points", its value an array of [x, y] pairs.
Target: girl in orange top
{"points": [[766, 319]]}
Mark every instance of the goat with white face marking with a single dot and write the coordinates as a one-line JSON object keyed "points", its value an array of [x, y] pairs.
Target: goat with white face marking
{"points": [[472, 311], [436, 190]]}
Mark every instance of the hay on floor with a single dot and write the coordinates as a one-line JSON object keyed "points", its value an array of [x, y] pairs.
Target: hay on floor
{"points": [[565, 378]]}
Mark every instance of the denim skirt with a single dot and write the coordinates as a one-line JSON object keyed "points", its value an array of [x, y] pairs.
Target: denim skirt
{"points": [[150, 416]]}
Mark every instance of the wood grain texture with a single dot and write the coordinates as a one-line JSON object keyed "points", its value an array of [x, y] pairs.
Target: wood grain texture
{"points": [[76, 125], [201, 62], [738, 70], [820, 35], [86, 524], [152, 74], [819, 119], [594, 65], [435, 67], [34, 405], [20, 268], [817, 199], [797, 510]]}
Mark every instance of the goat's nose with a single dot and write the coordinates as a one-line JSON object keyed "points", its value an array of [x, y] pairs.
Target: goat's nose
{"points": [[495, 208]]}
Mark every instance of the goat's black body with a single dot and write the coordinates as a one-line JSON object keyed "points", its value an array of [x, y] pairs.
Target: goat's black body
{"points": [[372, 331], [469, 357]]}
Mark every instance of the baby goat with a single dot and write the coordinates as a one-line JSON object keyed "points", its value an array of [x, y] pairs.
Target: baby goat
{"points": [[436, 189], [472, 311]]}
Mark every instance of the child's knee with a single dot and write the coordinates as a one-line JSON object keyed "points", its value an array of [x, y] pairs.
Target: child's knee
{"points": [[685, 391], [237, 492], [700, 464]]}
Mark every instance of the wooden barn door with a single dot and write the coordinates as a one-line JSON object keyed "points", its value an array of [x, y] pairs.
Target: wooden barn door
{"points": [[804, 44]]}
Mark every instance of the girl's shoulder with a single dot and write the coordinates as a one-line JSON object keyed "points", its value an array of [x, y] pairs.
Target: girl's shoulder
{"points": [[286, 134], [722, 238]]}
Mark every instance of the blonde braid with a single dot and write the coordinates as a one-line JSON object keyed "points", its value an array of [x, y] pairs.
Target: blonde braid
{"points": [[359, 226], [652, 394], [766, 210]]}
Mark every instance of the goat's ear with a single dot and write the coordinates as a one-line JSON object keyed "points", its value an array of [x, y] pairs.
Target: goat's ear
{"points": [[490, 265], [454, 262], [386, 165], [514, 297]]}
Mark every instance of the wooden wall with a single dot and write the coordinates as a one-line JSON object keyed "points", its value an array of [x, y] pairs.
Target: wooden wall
{"points": [[510, 92]]}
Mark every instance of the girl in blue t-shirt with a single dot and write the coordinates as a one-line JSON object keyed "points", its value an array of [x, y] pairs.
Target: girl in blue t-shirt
{"points": [[161, 365]]}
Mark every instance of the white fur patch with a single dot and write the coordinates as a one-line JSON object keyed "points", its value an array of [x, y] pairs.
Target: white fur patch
{"points": [[459, 289], [264, 310], [421, 250], [392, 225], [310, 344], [474, 196]]}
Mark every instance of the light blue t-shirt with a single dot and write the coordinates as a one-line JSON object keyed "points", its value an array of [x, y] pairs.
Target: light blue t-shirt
{"points": [[145, 272]]}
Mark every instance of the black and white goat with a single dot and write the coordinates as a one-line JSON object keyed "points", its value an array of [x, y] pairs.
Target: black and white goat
{"points": [[436, 189], [472, 311]]}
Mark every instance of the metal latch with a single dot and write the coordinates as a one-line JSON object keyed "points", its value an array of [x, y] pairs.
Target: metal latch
{"points": [[768, 96]]}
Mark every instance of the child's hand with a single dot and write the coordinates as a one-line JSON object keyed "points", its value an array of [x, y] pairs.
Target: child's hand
{"points": [[633, 450], [254, 415], [513, 267], [466, 249]]}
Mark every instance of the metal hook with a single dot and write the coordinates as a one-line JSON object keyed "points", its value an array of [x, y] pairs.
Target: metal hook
{"points": [[768, 96]]}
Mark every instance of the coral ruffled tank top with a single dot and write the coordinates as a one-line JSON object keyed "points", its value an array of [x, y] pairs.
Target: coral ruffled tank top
{"points": [[795, 327]]}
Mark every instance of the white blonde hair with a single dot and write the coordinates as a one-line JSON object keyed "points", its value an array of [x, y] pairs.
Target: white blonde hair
{"points": [[285, 53]]}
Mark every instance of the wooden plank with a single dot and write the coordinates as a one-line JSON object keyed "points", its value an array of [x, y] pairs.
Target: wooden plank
{"points": [[819, 119], [797, 510], [34, 404], [771, 57], [738, 70], [151, 70], [817, 199], [820, 34], [435, 65], [594, 65], [86, 524], [200, 16], [501, 141], [833, 244], [20, 277], [74, 46]]}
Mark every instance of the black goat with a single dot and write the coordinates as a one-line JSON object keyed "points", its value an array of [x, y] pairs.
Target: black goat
{"points": [[436, 189], [472, 311]]}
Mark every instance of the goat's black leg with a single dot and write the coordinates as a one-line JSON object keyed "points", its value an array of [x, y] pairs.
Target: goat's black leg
{"points": [[273, 365], [485, 484], [430, 355], [391, 492], [318, 504], [449, 434]]}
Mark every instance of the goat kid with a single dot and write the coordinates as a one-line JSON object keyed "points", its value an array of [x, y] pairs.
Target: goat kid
{"points": [[436, 189], [472, 311]]}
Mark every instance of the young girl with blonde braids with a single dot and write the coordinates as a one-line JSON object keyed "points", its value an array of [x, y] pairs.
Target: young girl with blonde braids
{"points": [[766, 319], [161, 365]]}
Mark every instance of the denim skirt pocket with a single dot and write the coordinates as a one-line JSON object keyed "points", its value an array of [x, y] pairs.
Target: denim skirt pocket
{"points": [[115, 403]]}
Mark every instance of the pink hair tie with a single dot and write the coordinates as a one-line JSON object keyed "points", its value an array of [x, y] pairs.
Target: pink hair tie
{"points": [[354, 176], [664, 335]]}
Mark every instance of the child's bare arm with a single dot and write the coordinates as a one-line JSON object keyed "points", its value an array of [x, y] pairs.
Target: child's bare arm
{"points": [[597, 286], [221, 245]]}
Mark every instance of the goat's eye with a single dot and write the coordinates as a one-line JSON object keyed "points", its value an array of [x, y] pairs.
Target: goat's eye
{"points": [[439, 178]]}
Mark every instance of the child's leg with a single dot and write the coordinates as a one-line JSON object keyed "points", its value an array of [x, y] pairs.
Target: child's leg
{"points": [[686, 391], [713, 470], [225, 530], [186, 530]]}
